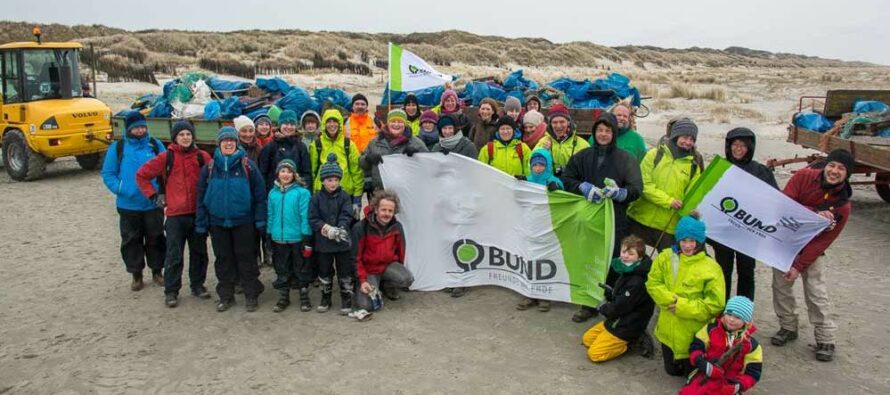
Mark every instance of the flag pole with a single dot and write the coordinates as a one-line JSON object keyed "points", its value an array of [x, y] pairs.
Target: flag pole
{"points": [[389, 81]]}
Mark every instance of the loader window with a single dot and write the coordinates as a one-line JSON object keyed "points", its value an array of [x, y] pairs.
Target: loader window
{"points": [[9, 71], [47, 71]]}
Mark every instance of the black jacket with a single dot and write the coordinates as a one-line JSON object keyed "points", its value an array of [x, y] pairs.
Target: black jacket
{"points": [[280, 149], [464, 147], [334, 209], [617, 164], [629, 307], [748, 163]]}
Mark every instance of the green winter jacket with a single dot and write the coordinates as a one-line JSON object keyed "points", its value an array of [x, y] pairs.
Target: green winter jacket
{"points": [[663, 183], [630, 141], [353, 177], [506, 157], [700, 292], [562, 151]]}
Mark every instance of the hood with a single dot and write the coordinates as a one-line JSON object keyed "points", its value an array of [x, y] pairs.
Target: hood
{"points": [[610, 121], [145, 139], [328, 115], [313, 113], [746, 136], [547, 176], [533, 98]]}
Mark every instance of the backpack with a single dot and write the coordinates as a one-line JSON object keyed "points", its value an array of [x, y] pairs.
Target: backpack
{"points": [[697, 161], [318, 150], [168, 168], [490, 147], [245, 164], [119, 148]]}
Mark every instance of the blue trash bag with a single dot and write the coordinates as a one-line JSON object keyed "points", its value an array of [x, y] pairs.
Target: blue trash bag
{"points": [[212, 110], [231, 108], [221, 85], [298, 101], [884, 133], [475, 91], [257, 112], [160, 108], [515, 81], [425, 97], [274, 85], [812, 121], [335, 96], [168, 87], [600, 93], [869, 106]]}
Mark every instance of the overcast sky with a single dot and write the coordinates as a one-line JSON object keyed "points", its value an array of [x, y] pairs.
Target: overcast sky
{"points": [[848, 30]]}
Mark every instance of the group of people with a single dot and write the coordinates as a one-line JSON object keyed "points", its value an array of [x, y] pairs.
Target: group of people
{"points": [[291, 188]]}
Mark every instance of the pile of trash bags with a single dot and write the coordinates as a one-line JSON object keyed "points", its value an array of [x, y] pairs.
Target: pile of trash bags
{"points": [[599, 93], [863, 112]]}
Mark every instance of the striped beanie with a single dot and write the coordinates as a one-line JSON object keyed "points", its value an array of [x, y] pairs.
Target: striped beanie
{"points": [[741, 307]]}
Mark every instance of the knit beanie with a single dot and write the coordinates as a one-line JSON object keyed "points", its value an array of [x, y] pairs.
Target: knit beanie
{"points": [[241, 121], [558, 110], [533, 118], [690, 227], [288, 164], [287, 117], [359, 96], [506, 121], [741, 307], [843, 157], [445, 120], [262, 118], [537, 159], [133, 119], [180, 125], [411, 98], [397, 113], [429, 116], [512, 104], [226, 133], [331, 168], [450, 93], [684, 127]]}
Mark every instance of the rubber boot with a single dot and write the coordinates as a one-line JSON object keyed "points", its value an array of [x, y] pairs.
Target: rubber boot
{"points": [[326, 289], [283, 300], [137, 283], [346, 290], [305, 303]]}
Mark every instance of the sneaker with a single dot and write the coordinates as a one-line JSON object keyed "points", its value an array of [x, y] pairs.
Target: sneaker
{"points": [[137, 283], [201, 293], [584, 314], [251, 304], [783, 337], [157, 278], [526, 304], [361, 315], [223, 305], [171, 300], [458, 292], [544, 306], [824, 352]]}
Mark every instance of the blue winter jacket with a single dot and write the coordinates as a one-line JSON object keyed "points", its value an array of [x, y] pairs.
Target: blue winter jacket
{"points": [[120, 176], [288, 213], [228, 197]]}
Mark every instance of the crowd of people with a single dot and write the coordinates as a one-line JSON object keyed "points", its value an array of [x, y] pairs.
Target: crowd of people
{"points": [[286, 190]]}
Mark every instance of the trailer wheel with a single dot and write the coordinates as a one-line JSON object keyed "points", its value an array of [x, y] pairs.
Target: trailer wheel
{"points": [[22, 164], [883, 186], [89, 161]]}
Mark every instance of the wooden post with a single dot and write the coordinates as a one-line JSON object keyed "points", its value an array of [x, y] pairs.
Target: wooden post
{"points": [[93, 67]]}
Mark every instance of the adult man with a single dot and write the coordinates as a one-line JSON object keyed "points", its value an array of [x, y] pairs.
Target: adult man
{"points": [[628, 139], [360, 125], [141, 220], [561, 140], [827, 192]]}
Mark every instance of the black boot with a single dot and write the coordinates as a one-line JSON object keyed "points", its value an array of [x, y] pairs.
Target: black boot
{"points": [[346, 290], [305, 303], [283, 300], [326, 289], [137, 283]]}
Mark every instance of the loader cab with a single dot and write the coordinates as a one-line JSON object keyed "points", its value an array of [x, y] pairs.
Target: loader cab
{"points": [[31, 72]]}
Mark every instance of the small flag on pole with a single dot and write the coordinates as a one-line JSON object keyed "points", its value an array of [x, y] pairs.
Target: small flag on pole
{"points": [[408, 72]]}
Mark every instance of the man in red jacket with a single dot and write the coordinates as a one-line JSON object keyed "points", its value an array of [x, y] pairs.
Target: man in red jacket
{"points": [[381, 251], [179, 169], [827, 192]]}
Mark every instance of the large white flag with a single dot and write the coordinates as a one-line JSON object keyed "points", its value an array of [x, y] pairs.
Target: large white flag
{"points": [[470, 224], [750, 216], [408, 72]]}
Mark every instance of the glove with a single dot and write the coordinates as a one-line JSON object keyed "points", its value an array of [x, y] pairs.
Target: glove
{"points": [[520, 177], [552, 186], [357, 200], [373, 158], [616, 194], [445, 151], [307, 251], [410, 150], [328, 232], [159, 200], [713, 371], [342, 235], [591, 192]]}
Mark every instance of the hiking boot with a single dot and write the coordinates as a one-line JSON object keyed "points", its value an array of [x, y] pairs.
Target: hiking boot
{"points": [[157, 277], [544, 306], [223, 305], [644, 346], [783, 337], [325, 303], [137, 283], [251, 304], [345, 302], [585, 313], [458, 292], [305, 303], [171, 300], [391, 293], [283, 301], [526, 304], [201, 293], [824, 352]]}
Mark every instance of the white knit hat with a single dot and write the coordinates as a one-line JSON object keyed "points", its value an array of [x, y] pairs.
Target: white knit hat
{"points": [[242, 121], [533, 118]]}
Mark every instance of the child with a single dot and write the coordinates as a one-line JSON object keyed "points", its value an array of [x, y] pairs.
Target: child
{"points": [[288, 227], [263, 128], [628, 308], [542, 174], [687, 285], [330, 215], [506, 152], [309, 127], [727, 359]]}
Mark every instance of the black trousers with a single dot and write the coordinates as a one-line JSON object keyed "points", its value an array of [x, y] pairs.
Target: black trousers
{"points": [[142, 239], [181, 229], [288, 261], [235, 250], [674, 367], [744, 265], [345, 264]]}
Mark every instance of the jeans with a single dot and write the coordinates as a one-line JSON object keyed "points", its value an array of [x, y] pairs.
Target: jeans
{"points": [[396, 275], [181, 229]]}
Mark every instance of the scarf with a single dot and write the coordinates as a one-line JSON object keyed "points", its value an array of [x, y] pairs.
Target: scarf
{"points": [[620, 268], [450, 143], [429, 138]]}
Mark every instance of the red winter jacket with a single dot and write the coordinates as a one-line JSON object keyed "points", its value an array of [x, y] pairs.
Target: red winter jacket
{"points": [[181, 183], [378, 246], [805, 188], [743, 367]]}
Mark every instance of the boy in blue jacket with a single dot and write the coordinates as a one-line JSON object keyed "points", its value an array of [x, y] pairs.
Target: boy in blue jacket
{"points": [[141, 219], [232, 207], [288, 227]]}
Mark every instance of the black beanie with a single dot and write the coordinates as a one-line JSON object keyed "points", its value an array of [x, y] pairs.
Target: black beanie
{"points": [[359, 96], [843, 157], [180, 125]]}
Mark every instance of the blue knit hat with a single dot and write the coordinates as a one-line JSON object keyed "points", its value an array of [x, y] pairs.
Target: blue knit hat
{"points": [[741, 307], [288, 164], [226, 133], [331, 168], [287, 117], [133, 119], [690, 227], [537, 159]]}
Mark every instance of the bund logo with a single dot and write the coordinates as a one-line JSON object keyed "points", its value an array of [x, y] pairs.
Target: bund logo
{"points": [[467, 254]]}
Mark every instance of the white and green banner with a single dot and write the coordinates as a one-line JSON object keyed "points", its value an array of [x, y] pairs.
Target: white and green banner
{"points": [[408, 72], [750, 216], [469, 224]]}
